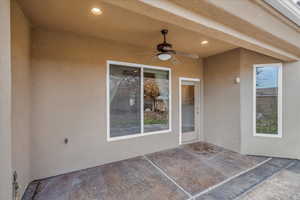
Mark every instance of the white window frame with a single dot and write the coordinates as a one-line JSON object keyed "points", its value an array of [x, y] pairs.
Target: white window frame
{"points": [[142, 67], [279, 134]]}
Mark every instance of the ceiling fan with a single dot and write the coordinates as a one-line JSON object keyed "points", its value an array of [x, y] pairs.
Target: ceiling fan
{"points": [[166, 52]]}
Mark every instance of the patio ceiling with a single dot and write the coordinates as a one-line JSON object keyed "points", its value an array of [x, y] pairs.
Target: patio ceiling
{"points": [[116, 24], [253, 21], [187, 16]]}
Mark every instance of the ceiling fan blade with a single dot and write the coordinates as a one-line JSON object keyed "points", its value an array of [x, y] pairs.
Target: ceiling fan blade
{"points": [[175, 61], [154, 58], [145, 53], [189, 55]]}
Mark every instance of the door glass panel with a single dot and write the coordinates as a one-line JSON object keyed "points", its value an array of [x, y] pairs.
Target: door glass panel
{"points": [[188, 108]]}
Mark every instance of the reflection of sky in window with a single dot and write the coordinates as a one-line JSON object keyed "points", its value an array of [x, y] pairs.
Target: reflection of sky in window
{"points": [[266, 77]]}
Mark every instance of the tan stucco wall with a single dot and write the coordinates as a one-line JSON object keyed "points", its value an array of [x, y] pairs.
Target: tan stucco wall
{"points": [[69, 100], [228, 107], [5, 102], [288, 145], [291, 106], [222, 100], [20, 50]]}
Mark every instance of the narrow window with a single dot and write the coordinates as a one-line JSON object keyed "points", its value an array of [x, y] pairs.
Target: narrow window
{"points": [[268, 100], [138, 100]]}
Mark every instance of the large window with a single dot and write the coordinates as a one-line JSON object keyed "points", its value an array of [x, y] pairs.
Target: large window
{"points": [[138, 100], [268, 100]]}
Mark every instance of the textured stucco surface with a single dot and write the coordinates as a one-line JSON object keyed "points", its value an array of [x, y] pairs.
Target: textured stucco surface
{"points": [[288, 145], [20, 50], [228, 109], [69, 101], [222, 100], [5, 101]]}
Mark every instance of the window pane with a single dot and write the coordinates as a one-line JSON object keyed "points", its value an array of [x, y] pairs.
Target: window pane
{"points": [[267, 100], [125, 100], [156, 100], [188, 108]]}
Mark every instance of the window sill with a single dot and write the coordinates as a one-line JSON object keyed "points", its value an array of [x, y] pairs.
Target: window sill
{"points": [[268, 135], [111, 139]]}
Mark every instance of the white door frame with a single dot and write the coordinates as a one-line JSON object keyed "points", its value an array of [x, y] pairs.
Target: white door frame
{"points": [[180, 120]]}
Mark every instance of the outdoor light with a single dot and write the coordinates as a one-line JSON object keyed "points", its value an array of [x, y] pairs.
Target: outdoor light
{"points": [[237, 80], [164, 56], [204, 42], [96, 11]]}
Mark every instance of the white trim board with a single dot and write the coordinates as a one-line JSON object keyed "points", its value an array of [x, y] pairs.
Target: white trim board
{"points": [[279, 134], [141, 66], [179, 106], [288, 8]]}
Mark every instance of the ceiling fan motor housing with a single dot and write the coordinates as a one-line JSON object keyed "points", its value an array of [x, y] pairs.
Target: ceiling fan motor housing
{"points": [[164, 47], [165, 51]]}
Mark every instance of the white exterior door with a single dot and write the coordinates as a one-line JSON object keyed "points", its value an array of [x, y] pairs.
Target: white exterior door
{"points": [[189, 110]]}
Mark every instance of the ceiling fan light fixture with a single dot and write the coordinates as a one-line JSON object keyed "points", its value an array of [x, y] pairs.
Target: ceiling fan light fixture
{"points": [[164, 56]]}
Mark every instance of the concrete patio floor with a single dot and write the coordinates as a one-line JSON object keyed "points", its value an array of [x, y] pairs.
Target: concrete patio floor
{"points": [[198, 171]]}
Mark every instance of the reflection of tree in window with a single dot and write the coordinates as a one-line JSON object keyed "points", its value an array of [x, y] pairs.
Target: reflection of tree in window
{"points": [[258, 72], [156, 100], [151, 90]]}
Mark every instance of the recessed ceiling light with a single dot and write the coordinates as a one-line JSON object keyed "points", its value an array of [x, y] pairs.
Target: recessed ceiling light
{"points": [[96, 11], [204, 42]]}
